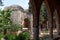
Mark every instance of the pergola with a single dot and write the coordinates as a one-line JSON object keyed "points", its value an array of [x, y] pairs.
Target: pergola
{"points": [[52, 5]]}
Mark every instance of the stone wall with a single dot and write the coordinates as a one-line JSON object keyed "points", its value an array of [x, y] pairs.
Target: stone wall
{"points": [[18, 15]]}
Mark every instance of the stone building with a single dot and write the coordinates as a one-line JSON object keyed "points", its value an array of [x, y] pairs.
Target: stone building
{"points": [[20, 16]]}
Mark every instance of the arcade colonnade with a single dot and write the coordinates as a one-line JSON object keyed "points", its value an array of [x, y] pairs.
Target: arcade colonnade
{"points": [[52, 5]]}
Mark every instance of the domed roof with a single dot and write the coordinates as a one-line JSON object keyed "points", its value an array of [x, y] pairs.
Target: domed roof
{"points": [[14, 7]]}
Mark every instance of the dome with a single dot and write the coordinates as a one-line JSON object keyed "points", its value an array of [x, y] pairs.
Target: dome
{"points": [[14, 7]]}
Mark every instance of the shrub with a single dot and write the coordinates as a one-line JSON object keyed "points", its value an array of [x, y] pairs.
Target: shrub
{"points": [[1, 36], [45, 37], [15, 27], [23, 36], [10, 37]]}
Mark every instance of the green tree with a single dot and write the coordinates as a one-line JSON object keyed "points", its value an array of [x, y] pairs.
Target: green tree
{"points": [[5, 21], [30, 8], [43, 13], [1, 3], [15, 27]]}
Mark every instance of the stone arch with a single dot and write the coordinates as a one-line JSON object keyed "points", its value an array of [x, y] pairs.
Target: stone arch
{"points": [[43, 24], [54, 6], [51, 6], [26, 23]]}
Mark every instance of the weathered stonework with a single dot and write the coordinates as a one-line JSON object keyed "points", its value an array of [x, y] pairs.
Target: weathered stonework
{"points": [[18, 14]]}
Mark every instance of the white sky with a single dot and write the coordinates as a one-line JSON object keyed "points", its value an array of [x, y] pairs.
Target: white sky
{"points": [[22, 3]]}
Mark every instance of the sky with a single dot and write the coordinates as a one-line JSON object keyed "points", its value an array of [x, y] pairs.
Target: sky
{"points": [[22, 3]]}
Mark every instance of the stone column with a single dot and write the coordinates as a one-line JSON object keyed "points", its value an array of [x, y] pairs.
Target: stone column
{"points": [[50, 17], [31, 28], [36, 11], [58, 20]]}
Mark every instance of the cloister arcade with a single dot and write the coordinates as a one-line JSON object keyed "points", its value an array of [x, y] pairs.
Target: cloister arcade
{"points": [[53, 6]]}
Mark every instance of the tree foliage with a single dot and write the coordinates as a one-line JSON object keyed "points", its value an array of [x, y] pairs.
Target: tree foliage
{"points": [[30, 8], [6, 23], [1, 3], [43, 13], [15, 27], [5, 19]]}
